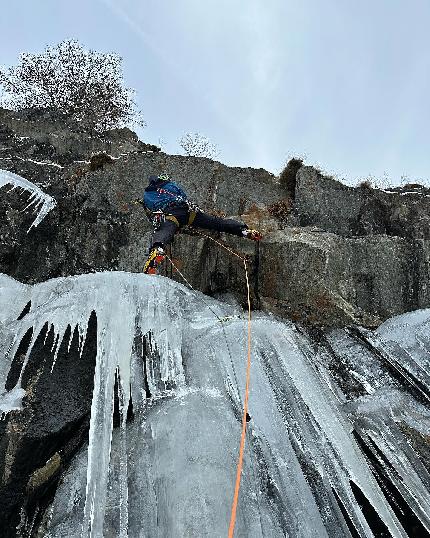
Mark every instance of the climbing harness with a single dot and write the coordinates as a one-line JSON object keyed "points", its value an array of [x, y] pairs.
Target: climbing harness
{"points": [[247, 383], [156, 218]]}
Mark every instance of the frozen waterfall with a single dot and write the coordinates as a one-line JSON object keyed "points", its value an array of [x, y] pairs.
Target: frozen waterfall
{"points": [[325, 454]]}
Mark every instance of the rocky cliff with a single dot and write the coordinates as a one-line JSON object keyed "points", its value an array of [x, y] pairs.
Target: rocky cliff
{"points": [[332, 254]]}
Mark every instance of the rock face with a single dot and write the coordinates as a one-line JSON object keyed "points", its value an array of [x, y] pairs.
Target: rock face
{"points": [[361, 211], [331, 255]]}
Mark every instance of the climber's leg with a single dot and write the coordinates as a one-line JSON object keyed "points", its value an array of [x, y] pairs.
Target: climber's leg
{"points": [[163, 235], [230, 226]]}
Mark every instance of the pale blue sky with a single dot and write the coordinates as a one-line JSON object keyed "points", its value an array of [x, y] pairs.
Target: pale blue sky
{"points": [[344, 83]]}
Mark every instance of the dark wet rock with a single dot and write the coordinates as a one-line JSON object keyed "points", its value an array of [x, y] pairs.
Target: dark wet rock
{"points": [[37, 443]]}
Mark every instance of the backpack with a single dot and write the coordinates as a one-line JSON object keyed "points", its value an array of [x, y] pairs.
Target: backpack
{"points": [[162, 195]]}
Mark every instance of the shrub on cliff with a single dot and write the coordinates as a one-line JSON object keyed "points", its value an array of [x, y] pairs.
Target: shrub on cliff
{"points": [[287, 177], [82, 84], [197, 145]]}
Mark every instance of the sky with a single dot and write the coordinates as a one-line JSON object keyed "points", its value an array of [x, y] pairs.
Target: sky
{"points": [[340, 83]]}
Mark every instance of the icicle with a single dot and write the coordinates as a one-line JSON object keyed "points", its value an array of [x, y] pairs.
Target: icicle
{"points": [[39, 201], [115, 333], [334, 426], [123, 467], [83, 333], [72, 332]]}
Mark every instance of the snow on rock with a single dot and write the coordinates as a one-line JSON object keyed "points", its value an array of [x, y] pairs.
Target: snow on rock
{"points": [[39, 201], [171, 471]]}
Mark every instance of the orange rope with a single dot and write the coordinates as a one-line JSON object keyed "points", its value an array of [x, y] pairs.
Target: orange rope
{"points": [[220, 244], [245, 404], [245, 413]]}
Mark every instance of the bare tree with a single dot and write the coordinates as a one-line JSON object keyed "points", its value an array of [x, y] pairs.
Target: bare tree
{"points": [[197, 145], [83, 84]]}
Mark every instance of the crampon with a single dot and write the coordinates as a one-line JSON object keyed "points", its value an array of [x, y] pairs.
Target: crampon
{"points": [[155, 258]]}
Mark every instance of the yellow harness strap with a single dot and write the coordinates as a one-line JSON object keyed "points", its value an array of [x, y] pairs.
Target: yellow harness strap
{"points": [[191, 217], [173, 219]]}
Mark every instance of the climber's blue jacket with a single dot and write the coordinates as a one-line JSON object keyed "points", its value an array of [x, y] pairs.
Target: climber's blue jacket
{"points": [[161, 194]]}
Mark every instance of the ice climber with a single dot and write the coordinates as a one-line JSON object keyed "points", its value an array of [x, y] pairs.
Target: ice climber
{"points": [[169, 209]]}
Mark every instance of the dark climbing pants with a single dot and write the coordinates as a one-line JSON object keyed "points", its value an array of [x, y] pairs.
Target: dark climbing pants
{"points": [[180, 216]]}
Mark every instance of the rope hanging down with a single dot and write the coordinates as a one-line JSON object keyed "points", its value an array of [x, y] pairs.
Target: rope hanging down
{"points": [[248, 376], [245, 414]]}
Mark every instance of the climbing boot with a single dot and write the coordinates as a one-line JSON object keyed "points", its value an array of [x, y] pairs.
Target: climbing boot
{"points": [[255, 235], [155, 258]]}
